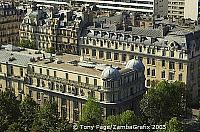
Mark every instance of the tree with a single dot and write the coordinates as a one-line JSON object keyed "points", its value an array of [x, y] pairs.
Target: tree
{"points": [[9, 109], [113, 120], [51, 50], [92, 113], [164, 101], [63, 126], [28, 109], [15, 127], [47, 118], [128, 117], [27, 44], [172, 125]]}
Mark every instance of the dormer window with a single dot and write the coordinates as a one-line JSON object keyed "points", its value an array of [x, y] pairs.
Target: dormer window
{"points": [[172, 53]]}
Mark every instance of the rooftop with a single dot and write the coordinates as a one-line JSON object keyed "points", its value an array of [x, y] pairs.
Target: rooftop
{"points": [[12, 55], [79, 64]]}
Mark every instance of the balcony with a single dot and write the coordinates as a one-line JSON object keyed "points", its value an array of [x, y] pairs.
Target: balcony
{"points": [[64, 81]]}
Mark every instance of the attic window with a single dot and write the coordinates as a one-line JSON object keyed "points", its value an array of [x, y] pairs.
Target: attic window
{"points": [[12, 58]]}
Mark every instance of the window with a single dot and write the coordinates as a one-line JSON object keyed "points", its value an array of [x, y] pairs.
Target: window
{"points": [[180, 77], [172, 53], [132, 47], [101, 96], [93, 52], [66, 76], [47, 72], [87, 80], [116, 45], [148, 71], [101, 54], [171, 76], [21, 72], [171, 65], [79, 79], [153, 62], [95, 82], [113, 97], [163, 74], [54, 73], [181, 55], [116, 56], [148, 83], [123, 57], [108, 44], [148, 50], [153, 51], [163, 53], [140, 58], [180, 66], [101, 43], [163, 63], [38, 82], [38, 95], [108, 55], [87, 51], [140, 48], [153, 72], [148, 61], [124, 46], [40, 70]]}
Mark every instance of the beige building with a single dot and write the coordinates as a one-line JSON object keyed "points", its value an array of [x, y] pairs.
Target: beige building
{"points": [[13, 68], [52, 27], [10, 20], [70, 81], [167, 53], [183, 9]]}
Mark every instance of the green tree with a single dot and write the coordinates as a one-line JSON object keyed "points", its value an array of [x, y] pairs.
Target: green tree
{"points": [[172, 125], [63, 126], [47, 118], [113, 120], [164, 101], [15, 127], [9, 109], [92, 113], [51, 50], [27, 44], [128, 117], [28, 109]]}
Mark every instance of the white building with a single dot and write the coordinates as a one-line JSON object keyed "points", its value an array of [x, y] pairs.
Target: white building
{"points": [[192, 9], [188, 9], [145, 6]]}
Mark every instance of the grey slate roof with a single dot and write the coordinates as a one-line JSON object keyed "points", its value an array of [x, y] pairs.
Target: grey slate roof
{"points": [[21, 58]]}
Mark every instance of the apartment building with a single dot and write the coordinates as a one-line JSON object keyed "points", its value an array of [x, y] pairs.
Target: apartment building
{"points": [[70, 80], [167, 52], [52, 27], [10, 19], [156, 7], [188, 9], [13, 68]]}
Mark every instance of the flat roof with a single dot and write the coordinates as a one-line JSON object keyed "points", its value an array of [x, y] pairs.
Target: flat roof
{"points": [[66, 66], [22, 58]]}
